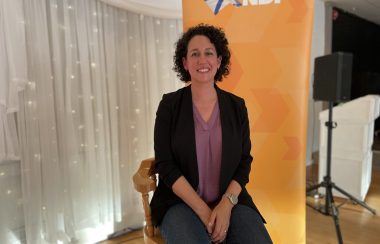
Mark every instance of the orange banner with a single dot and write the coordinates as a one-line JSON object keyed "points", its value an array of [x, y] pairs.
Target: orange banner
{"points": [[270, 44]]}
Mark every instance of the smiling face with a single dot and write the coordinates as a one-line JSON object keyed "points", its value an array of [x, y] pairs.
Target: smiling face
{"points": [[201, 60]]}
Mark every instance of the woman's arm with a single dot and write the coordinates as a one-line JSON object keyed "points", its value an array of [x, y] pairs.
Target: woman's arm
{"points": [[165, 166], [241, 175]]}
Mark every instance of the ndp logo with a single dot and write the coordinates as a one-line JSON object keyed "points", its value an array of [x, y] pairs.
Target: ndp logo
{"points": [[217, 5]]}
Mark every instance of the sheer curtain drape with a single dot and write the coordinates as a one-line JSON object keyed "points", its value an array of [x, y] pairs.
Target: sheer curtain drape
{"points": [[12, 74], [95, 76]]}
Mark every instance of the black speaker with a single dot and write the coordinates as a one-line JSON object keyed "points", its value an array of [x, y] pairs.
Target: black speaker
{"points": [[332, 77]]}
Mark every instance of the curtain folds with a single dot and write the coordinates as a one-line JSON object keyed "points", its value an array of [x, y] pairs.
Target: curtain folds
{"points": [[95, 75], [12, 74]]}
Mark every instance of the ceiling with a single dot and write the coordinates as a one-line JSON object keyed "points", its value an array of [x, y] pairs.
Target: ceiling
{"points": [[160, 4], [367, 9]]}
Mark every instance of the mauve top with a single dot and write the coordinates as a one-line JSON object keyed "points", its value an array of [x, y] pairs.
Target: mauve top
{"points": [[208, 139]]}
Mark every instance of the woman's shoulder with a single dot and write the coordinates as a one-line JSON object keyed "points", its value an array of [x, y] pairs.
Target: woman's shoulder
{"points": [[174, 97], [231, 97]]}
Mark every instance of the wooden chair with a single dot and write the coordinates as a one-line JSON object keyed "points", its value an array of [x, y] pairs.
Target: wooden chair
{"points": [[144, 181]]}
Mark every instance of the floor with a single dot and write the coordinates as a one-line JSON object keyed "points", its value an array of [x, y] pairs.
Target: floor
{"points": [[135, 237], [358, 225]]}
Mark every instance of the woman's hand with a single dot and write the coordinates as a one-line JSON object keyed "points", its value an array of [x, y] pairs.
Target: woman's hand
{"points": [[205, 216], [220, 220]]}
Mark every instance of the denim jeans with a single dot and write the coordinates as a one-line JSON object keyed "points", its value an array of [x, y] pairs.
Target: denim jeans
{"points": [[182, 226]]}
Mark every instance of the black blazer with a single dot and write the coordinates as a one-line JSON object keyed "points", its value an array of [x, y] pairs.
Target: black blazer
{"points": [[175, 150]]}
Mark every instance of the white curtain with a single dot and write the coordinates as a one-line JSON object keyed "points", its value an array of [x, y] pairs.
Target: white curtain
{"points": [[95, 76], [12, 74]]}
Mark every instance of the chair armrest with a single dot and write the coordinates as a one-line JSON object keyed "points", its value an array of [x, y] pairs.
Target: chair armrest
{"points": [[144, 180]]}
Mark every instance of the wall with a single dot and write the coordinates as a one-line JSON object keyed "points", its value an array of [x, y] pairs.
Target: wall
{"points": [[318, 46]]}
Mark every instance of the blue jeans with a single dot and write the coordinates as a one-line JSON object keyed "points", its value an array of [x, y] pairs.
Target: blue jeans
{"points": [[182, 225]]}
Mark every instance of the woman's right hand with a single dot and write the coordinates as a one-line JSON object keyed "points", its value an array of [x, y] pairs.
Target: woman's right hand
{"points": [[205, 216]]}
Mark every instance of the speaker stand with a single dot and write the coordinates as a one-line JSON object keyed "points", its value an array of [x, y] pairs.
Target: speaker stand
{"points": [[330, 208]]}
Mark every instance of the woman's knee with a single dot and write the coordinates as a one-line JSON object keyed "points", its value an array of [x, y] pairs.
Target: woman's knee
{"points": [[246, 226]]}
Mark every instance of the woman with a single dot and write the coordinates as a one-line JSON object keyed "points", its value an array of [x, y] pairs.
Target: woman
{"points": [[202, 151]]}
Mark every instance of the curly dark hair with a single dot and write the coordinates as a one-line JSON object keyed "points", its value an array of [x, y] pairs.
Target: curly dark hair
{"points": [[216, 36]]}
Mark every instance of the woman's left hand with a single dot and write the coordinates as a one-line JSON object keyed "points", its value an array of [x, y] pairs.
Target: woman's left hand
{"points": [[220, 220]]}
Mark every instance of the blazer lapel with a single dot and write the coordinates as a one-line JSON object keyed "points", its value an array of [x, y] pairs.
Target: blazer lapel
{"points": [[227, 128], [188, 132]]}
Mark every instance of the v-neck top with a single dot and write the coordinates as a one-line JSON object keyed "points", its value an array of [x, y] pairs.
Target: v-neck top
{"points": [[208, 139]]}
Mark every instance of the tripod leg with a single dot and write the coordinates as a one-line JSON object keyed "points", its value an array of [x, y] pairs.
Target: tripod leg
{"points": [[328, 200], [334, 213], [354, 199]]}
